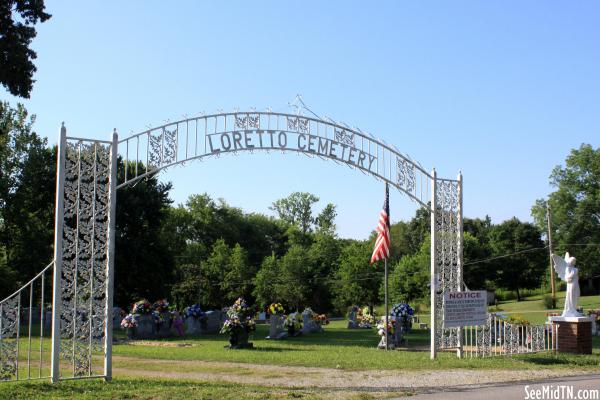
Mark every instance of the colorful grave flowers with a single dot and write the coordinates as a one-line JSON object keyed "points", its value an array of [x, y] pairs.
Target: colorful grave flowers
{"points": [[293, 323], [364, 318], [128, 322], [161, 305], [239, 324], [194, 311], [321, 319], [276, 309], [142, 307], [381, 327]]}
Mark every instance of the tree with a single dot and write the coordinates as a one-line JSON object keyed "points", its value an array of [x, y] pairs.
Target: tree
{"points": [[409, 279], [266, 282], [324, 256], [17, 20], [357, 281], [325, 221], [144, 263], [296, 209], [238, 278], [575, 209], [518, 268], [214, 270], [27, 180], [295, 281]]}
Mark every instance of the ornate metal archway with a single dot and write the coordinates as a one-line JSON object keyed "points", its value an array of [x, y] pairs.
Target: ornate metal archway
{"points": [[86, 192]]}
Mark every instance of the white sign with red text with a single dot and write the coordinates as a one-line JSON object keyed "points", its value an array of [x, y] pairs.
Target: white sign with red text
{"points": [[465, 308]]}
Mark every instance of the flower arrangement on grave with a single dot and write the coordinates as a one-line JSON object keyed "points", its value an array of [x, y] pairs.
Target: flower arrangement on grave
{"points": [[293, 323], [364, 318], [321, 319], [239, 324], [403, 312], [276, 309], [161, 305], [129, 324], [381, 327], [194, 311], [142, 307]]}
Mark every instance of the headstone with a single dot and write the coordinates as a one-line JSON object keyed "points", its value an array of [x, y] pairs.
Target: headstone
{"points": [[214, 321], [399, 330], [164, 329], [35, 315], [193, 326], [276, 330], [262, 316], [146, 328], [117, 317], [48, 320], [352, 324], [310, 325]]}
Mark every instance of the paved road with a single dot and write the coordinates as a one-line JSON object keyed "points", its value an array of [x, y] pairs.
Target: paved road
{"points": [[511, 390]]}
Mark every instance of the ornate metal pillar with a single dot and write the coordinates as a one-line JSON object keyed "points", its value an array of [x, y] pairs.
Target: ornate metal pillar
{"points": [[82, 292]]}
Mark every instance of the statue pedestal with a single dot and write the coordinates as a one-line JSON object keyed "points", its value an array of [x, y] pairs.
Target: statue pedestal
{"points": [[574, 334]]}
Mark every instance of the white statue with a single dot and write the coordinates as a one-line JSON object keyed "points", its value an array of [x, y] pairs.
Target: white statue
{"points": [[567, 272]]}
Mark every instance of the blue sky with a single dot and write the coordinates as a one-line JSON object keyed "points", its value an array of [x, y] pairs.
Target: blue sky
{"points": [[498, 90]]}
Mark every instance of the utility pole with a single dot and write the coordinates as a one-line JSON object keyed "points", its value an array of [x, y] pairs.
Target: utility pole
{"points": [[550, 250]]}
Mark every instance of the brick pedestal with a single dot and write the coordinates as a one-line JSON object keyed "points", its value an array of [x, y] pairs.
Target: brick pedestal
{"points": [[574, 334]]}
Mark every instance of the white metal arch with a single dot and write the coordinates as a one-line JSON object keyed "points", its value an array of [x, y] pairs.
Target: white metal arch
{"points": [[212, 135]]}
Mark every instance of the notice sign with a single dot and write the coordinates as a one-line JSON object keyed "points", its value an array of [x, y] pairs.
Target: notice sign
{"points": [[465, 308]]}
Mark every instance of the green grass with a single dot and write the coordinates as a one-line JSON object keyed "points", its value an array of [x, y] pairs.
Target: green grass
{"points": [[533, 309], [177, 389], [342, 348]]}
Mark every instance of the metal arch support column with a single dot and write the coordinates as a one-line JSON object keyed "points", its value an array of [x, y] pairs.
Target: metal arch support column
{"points": [[108, 333], [433, 284], [58, 256], [459, 257]]}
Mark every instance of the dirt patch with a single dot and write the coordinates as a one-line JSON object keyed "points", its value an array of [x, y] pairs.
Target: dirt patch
{"points": [[156, 343], [326, 378]]}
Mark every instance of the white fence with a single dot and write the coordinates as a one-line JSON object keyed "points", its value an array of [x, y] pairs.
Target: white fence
{"points": [[25, 329], [498, 337]]}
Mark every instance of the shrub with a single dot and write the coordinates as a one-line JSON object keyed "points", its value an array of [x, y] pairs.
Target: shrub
{"points": [[549, 302]]}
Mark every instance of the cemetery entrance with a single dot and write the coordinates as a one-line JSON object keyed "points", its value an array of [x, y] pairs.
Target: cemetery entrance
{"points": [[86, 194]]}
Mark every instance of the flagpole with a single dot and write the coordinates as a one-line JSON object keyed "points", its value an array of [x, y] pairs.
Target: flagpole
{"points": [[387, 313]]}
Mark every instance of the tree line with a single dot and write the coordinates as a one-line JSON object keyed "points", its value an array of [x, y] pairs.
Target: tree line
{"points": [[206, 251]]}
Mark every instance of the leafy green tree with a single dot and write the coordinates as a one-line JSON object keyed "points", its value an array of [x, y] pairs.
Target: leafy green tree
{"points": [[27, 176], [238, 278], [477, 274], [523, 269], [409, 278], [357, 281], [324, 256], [214, 272], [17, 21], [144, 263], [267, 282], [295, 284], [187, 289], [575, 206], [296, 209], [325, 221]]}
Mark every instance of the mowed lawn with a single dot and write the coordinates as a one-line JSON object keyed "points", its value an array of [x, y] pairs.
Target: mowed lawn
{"points": [[338, 347]]}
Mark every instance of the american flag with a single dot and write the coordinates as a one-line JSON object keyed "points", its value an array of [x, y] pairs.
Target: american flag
{"points": [[382, 244]]}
